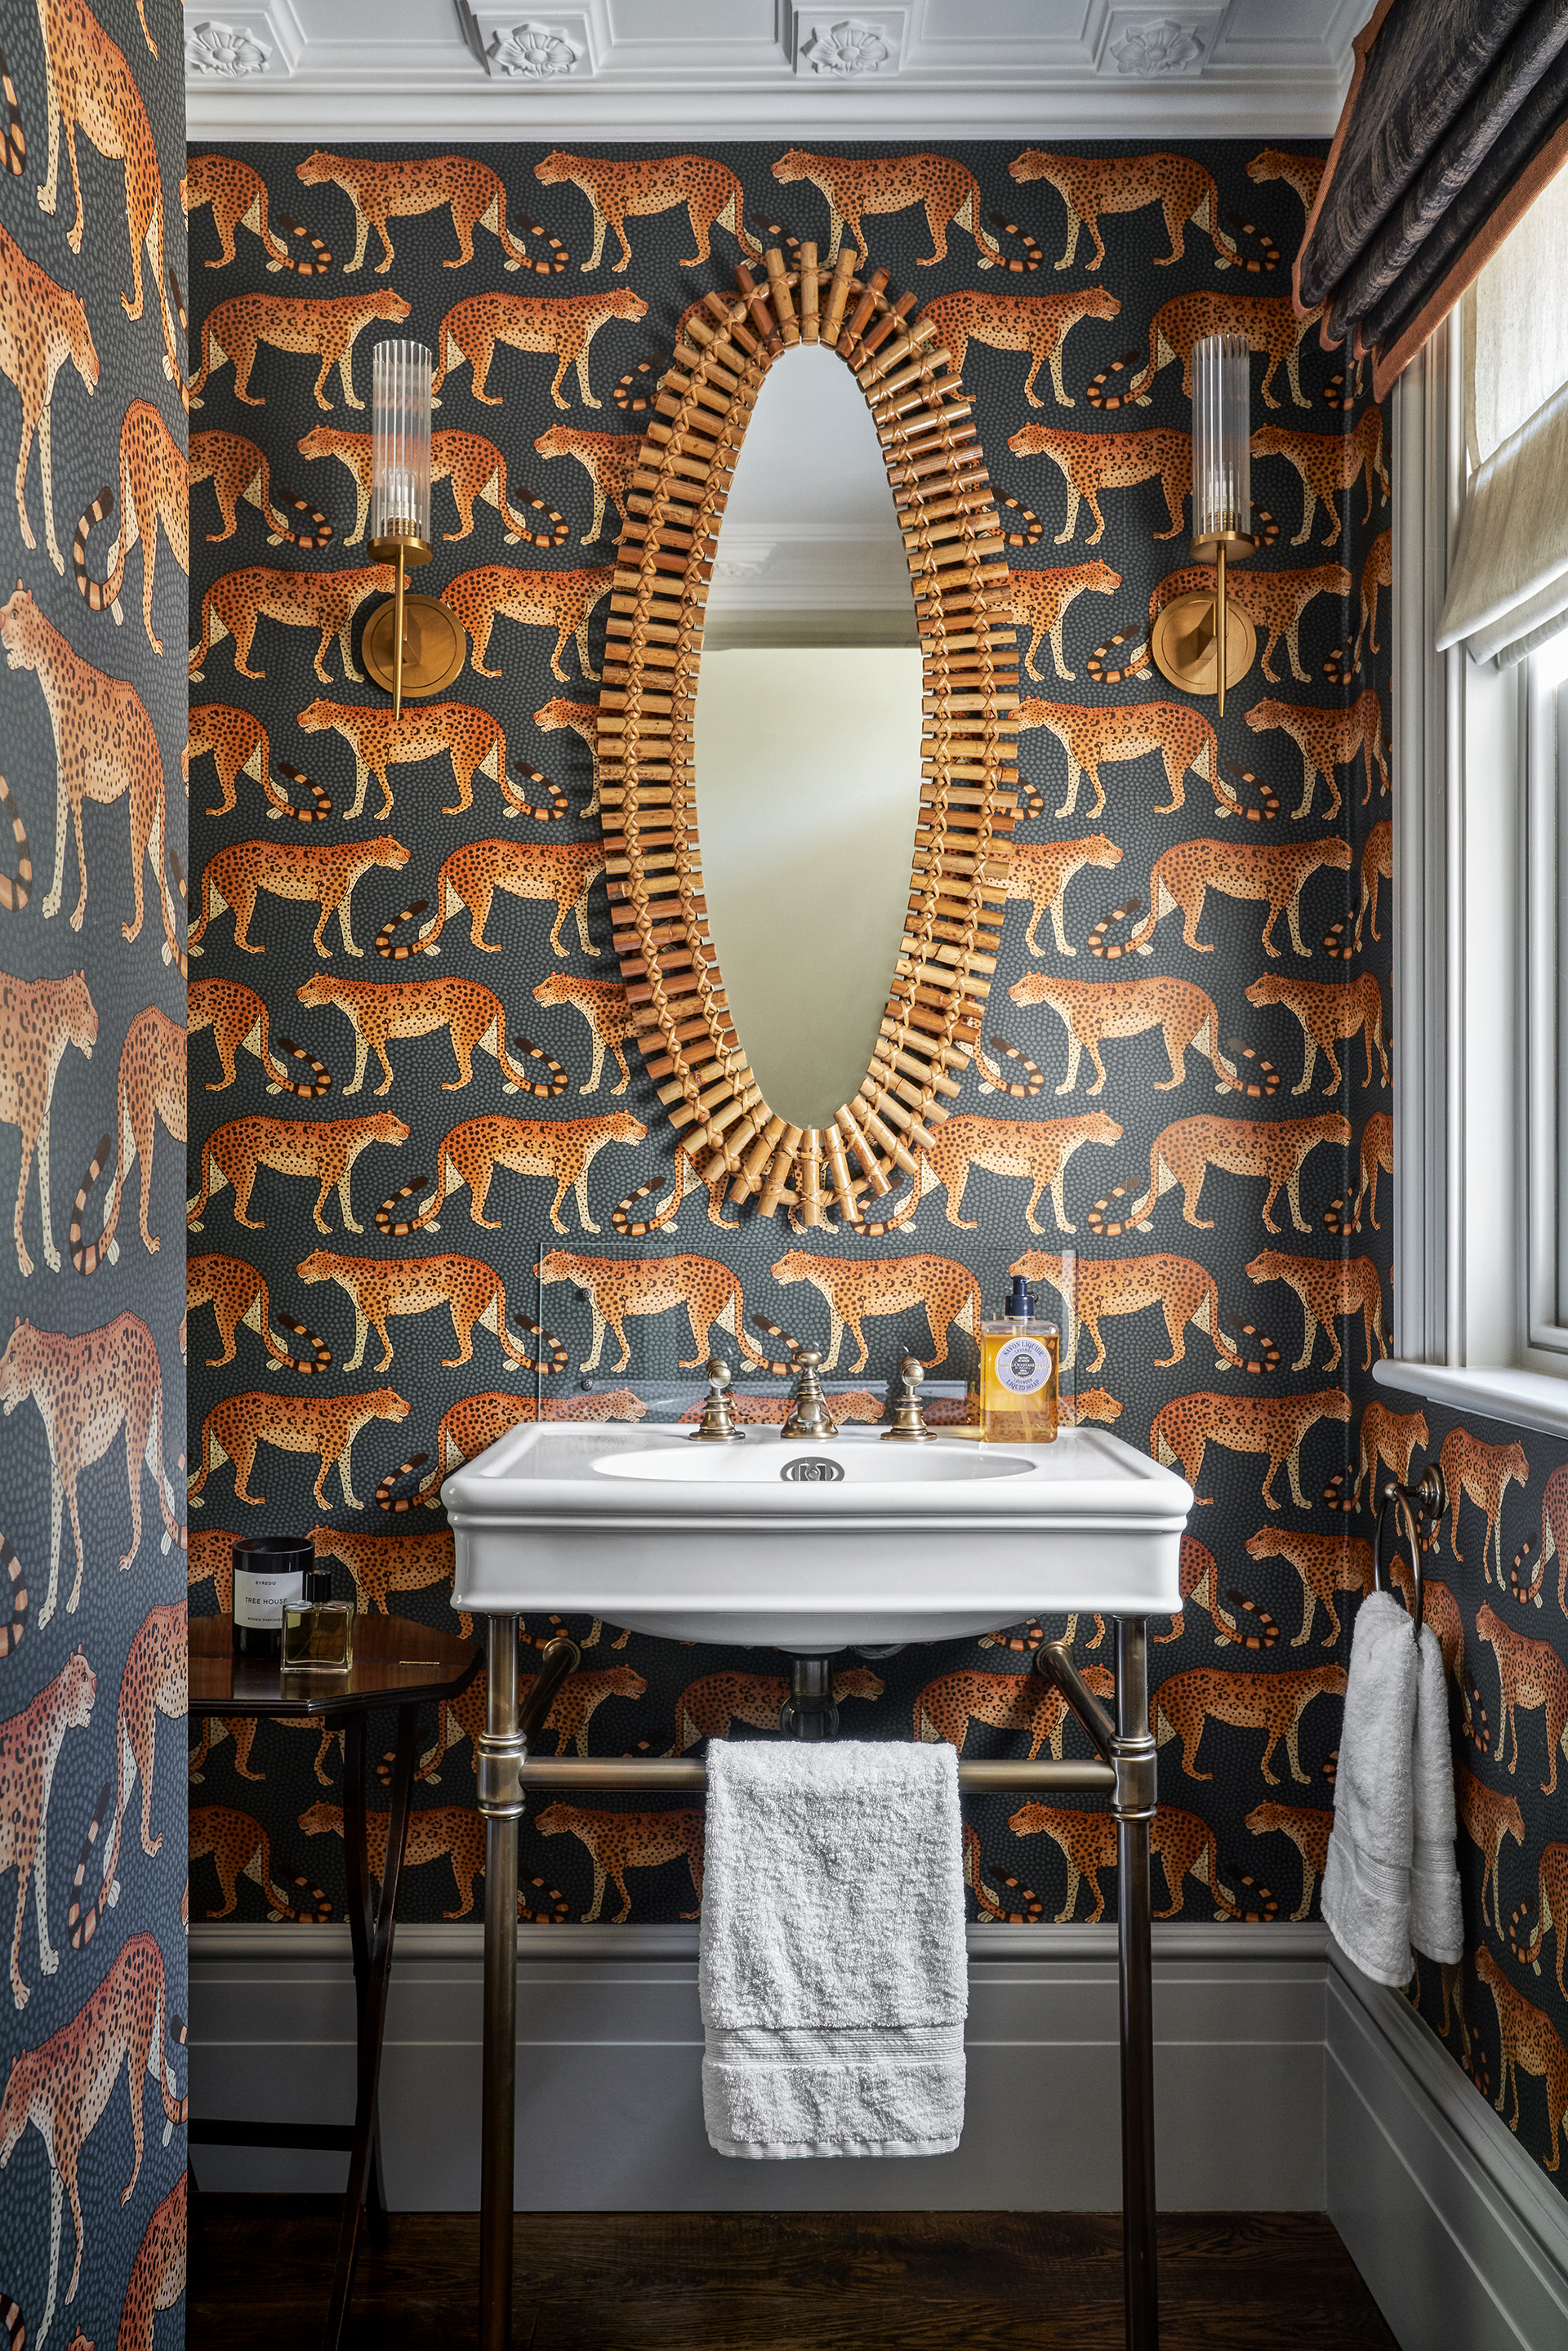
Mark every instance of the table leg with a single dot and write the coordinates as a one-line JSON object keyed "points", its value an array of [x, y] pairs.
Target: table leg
{"points": [[356, 1857], [373, 1940], [376, 2213], [1134, 1806], [501, 1803]]}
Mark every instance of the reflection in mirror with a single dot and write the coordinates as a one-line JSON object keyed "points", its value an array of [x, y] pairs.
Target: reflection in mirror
{"points": [[807, 738]]}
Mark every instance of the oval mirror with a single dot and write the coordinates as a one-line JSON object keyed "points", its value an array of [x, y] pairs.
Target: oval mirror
{"points": [[807, 738], [811, 530]]}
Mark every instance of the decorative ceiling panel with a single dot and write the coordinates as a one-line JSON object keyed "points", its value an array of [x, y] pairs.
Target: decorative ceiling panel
{"points": [[658, 69]]}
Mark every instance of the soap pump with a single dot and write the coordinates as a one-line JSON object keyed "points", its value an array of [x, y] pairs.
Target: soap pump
{"points": [[1019, 1351]]}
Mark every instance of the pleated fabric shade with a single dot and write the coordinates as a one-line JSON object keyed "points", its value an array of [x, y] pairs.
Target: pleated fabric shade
{"points": [[1456, 117], [1508, 584]]}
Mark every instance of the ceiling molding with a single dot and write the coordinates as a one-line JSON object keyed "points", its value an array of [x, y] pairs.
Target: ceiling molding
{"points": [[839, 49], [242, 44], [656, 71], [532, 47]]}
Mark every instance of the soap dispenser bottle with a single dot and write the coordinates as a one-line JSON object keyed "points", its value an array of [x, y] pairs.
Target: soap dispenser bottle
{"points": [[1018, 1373]]}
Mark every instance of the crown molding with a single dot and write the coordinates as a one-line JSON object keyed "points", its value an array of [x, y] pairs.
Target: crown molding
{"points": [[435, 70], [427, 102]]}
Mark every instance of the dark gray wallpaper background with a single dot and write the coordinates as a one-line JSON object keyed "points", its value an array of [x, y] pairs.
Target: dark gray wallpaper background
{"points": [[92, 1652]]}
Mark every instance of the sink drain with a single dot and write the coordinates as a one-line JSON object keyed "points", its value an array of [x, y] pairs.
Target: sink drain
{"points": [[812, 1470]]}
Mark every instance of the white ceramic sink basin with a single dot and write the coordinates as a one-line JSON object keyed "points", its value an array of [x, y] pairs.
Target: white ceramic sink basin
{"points": [[769, 1464], [721, 1544]]}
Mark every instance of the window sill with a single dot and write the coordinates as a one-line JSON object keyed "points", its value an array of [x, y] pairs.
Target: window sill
{"points": [[1522, 1399]]}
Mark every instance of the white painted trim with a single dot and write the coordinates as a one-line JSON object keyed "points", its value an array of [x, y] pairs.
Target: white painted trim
{"points": [[435, 101], [1286, 1942], [1474, 1167], [1460, 2236], [1429, 852], [1542, 977], [1521, 1399], [1545, 697]]}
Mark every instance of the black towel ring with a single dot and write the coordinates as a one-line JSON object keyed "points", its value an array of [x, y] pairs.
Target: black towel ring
{"points": [[1427, 1498]]}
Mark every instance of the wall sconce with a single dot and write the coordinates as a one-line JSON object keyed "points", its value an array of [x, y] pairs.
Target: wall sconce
{"points": [[1200, 641], [412, 644]]}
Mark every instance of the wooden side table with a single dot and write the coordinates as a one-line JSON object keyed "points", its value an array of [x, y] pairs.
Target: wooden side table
{"points": [[398, 1663]]}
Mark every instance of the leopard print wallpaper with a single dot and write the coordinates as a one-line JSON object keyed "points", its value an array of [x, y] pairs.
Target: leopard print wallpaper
{"points": [[1496, 1595], [1071, 284], [364, 1262], [92, 1108]]}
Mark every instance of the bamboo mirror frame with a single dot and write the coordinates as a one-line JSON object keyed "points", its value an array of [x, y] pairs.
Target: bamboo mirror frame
{"points": [[646, 739]]}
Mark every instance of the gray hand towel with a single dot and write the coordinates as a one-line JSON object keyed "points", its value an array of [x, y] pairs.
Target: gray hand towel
{"points": [[1391, 1877], [1366, 1880], [1436, 1926], [833, 1976]]}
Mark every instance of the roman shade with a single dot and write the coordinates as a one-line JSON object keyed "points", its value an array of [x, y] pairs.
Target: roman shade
{"points": [[1508, 588], [1456, 119]]}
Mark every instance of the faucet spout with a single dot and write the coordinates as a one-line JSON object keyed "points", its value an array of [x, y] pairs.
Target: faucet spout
{"points": [[808, 1415]]}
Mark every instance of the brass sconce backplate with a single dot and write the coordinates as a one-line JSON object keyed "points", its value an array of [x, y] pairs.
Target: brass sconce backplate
{"points": [[434, 646], [1183, 643]]}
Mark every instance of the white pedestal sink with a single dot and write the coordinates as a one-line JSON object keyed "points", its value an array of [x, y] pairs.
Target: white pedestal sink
{"points": [[811, 1547], [734, 1544]]}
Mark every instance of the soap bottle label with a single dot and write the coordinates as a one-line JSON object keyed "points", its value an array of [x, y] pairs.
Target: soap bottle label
{"points": [[1018, 1381], [1024, 1366]]}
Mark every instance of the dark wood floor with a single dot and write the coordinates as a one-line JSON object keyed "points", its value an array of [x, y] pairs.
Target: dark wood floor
{"points": [[819, 2282]]}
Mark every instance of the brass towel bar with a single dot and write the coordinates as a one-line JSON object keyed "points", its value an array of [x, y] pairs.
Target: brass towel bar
{"points": [[680, 1778]]}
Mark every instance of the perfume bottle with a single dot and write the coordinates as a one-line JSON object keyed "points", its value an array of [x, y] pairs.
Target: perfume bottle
{"points": [[318, 1631], [267, 1570], [1018, 1373]]}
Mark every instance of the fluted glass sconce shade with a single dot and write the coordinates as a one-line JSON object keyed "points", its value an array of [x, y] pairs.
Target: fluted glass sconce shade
{"points": [[1221, 439], [1199, 640], [412, 644], [400, 442]]}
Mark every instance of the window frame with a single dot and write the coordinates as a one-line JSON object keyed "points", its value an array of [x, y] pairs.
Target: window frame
{"points": [[1480, 901], [1544, 880]]}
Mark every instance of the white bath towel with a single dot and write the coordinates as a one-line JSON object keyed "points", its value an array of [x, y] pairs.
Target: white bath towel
{"points": [[833, 1976], [1394, 1802]]}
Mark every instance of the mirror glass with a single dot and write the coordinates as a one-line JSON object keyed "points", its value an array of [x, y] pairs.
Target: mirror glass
{"points": [[807, 738]]}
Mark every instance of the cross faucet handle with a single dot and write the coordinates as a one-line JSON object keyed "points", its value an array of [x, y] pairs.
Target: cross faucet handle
{"points": [[908, 1416], [716, 1426]]}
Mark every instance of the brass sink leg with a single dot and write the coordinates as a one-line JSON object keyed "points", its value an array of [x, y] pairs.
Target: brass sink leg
{"points": [[1133, 1755], [1129, 1748], [503, 1748], [501, 1753]]}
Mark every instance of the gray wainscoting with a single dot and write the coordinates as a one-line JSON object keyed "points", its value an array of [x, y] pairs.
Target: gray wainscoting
{"points": [[610, 2105], [1459, 2233], [1284, 2080]]}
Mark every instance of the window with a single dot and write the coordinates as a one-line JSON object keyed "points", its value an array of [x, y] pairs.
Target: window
{"points": [[1481, 734]]}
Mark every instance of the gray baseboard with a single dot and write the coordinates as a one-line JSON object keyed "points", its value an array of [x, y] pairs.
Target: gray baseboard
{"points": [[1284, 2080], [1459, 2234]]}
